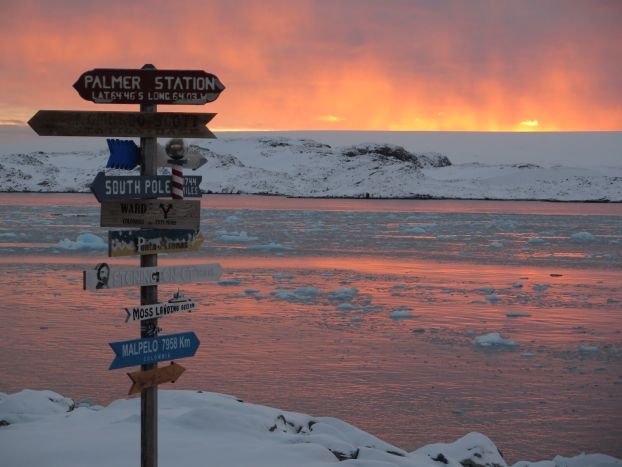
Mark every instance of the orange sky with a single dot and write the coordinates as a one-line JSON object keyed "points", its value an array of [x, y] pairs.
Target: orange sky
{"points": [[474, 65]]}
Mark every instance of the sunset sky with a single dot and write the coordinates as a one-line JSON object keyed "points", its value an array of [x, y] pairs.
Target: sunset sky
{"points": [[477, 65]]}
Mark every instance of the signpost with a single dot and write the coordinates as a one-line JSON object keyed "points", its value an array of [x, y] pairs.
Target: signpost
{"points": [[148, 242], [147, 379], [121, 187], [153, 349], [122, 86], [163, 214], [131, 202], [105, 276], [127, 124]]}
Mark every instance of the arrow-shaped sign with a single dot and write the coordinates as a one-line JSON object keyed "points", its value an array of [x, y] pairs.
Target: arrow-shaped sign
{"points": [[150, 378], [157, 310], [127, 86], [152, 241], [129, 124], [119, 187], [153, 349], [104, 276]]}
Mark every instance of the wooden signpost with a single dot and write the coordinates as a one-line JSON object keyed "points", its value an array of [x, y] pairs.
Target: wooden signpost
{"points": [[106, 187], [150, 241], [105, 276], [121, 86], [161, 214], [147, 379], [123, 206], [126, 124]]}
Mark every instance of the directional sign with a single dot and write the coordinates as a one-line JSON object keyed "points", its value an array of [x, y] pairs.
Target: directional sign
{"points": [[105, 276], [163, 214], [129, 124], [122, 86], [153, 349], [158, 310], [120, 187], [149, 242], [150, 378]]}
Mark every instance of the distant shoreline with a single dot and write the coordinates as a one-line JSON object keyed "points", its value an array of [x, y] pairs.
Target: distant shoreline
{"points": [[371, 198]]}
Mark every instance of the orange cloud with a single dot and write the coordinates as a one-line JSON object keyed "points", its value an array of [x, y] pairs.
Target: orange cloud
{"points": [[401, 65]]}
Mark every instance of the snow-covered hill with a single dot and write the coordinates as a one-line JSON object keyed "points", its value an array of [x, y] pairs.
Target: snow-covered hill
{"points": [[307, 168], [199, 428]]}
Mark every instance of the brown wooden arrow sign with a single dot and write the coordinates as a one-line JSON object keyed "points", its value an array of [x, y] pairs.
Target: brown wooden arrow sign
{"points": [[150, 378], [126, 124], [127, 86]]}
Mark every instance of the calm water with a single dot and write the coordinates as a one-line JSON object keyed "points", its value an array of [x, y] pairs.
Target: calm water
{"points": [[304, 316]]}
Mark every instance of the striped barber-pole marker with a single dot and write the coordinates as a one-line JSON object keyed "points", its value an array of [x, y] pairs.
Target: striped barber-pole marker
{"points": [[177, 183]]}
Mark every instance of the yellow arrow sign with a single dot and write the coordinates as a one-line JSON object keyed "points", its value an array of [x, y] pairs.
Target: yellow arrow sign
{"points": [[147, 379]]}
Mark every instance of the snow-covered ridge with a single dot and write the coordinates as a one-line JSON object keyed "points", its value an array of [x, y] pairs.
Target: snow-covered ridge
{"points": [[307, 168], [199, 428]]}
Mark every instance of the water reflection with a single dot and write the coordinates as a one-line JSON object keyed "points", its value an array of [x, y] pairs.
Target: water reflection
{"points": [[337, 309]]}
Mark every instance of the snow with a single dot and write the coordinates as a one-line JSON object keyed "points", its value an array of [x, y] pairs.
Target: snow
{"points": [[200, 428], [271, 164], [493, 339]]}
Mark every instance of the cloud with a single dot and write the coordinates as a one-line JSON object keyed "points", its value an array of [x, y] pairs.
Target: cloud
{"points": [[529, 123], [485, 63], [329, 118]]}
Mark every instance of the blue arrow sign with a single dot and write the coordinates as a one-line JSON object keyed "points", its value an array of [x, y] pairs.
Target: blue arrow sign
{"points": [[153, 349]]}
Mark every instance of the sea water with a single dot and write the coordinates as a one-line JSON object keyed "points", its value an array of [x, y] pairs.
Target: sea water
{"points": [[418, 321]]}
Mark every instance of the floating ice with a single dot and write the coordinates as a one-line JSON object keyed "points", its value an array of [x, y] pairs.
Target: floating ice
{"points": [[302, 294], [85, 241], [492, 298], [582, 237], [346, 307], [493, 339], [535, 240], [251, 291], [343, 293], [496, 245], [540, 287], [282, 276], [412, 229], [232, 219], [268, 247], [486, 290], [517, 314], [583, 348], [234, 237], [401, 313], [8, 235], [229, 282]]}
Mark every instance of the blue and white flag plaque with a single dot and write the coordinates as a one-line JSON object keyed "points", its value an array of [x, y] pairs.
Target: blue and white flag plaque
{"points": [[154, 349]]}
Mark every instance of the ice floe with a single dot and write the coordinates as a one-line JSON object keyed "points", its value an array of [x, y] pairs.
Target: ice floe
{"points": [[85, 241], [494, 339]]}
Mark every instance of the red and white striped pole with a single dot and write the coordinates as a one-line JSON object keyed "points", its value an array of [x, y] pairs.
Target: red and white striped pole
{"points": [[177, 183], [176, 149]]}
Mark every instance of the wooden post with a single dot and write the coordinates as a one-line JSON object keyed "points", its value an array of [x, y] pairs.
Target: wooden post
{"points": [[148, 328]]}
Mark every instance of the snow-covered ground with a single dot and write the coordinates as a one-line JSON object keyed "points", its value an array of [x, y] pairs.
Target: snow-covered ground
{"points": [[43, 428], [303, 167]]}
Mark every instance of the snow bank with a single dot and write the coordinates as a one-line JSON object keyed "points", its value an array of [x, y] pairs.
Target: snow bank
{"points": [[270, 164], [207, 429]]}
